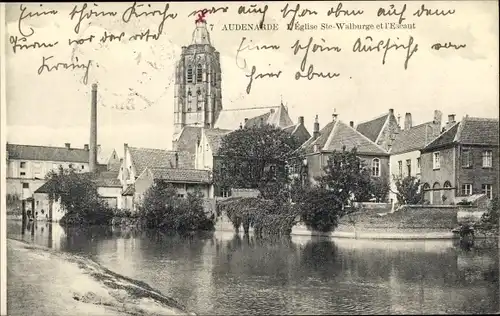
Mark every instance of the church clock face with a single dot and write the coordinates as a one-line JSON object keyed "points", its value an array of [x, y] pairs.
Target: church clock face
{"points": [[197, 98]]}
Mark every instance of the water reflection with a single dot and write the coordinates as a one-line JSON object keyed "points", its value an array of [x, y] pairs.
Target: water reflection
{"points": [[222, 273]]}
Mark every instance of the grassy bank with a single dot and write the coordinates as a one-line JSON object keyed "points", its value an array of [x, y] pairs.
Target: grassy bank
{"points": [[52, 283]]}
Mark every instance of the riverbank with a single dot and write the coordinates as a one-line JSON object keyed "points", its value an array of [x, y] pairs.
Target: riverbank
{"points": [[46, 282]]}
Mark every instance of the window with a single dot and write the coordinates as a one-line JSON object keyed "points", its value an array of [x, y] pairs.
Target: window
{"points": [[190, 74], [199, 73], [83, 167], [199, 99], [487, 159], [408, 166], [486, 189], [179, 195], [26, 185], [447, 184], [70, 166], [22, 164], [467, 189], [436, 160], [376, 167], [224, 192], [418, 163], [400, 168], [466, 158], [22, 173]]}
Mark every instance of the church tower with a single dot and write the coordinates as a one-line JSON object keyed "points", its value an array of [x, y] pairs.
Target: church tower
{"points": [[197, 96]]}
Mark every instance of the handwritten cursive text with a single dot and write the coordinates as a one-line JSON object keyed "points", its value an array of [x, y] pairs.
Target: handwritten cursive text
{"points": [[71, 66], [385, 46], [253, 77], [26, 15]]}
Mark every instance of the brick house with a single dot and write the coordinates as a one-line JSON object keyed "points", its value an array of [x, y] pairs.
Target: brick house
{"points": [[461, 162], [333, 137], [382, 130]]}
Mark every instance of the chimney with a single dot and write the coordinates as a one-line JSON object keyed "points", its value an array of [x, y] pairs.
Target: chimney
{"points": [[246, 120], [67, 145], [351, 124], [437, 123], [399, 120], [451, 121], [241, 127], [391, 111], [86, 147], [272, 110], [316, 128], [93, 130], [301, 120], [261, 121], [407, 121], [334, 116], [176, 160]]}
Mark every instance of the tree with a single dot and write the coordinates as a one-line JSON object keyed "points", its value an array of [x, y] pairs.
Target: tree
{"points": [[489, 220], [77, 193], [161, 208], [380, 188], [408, 190], [345, 181], [255, 158]]}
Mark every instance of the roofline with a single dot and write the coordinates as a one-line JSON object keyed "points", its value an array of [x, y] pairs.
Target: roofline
{"points": [[372, 119], [178, 181], [358, 152], [443, 146], [371, 141], [453, 141], [383, 126]]}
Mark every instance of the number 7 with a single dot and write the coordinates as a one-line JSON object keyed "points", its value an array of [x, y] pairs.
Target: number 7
{"points": [[211, 27]]}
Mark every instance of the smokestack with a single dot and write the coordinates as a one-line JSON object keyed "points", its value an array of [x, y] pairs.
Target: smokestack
{"points": [[67, 145], [86, 147], [351, 124], [316, 128], [93, 130], [408, 121], [301, 120]]}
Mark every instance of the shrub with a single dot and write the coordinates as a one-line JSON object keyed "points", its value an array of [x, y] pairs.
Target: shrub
{"points": [[320, 209]]}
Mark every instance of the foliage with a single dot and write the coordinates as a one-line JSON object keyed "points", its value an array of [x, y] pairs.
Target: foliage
{"points": [[380, 188], [346, 177], [320, 209], [408, 190], [255, 158], [78, 196], [489, 220], [161, 208], [267, 217], [464, 202]]}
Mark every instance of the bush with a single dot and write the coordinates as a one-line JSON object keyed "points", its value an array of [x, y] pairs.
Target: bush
{"points": [[161, 208], [320, 209], [489, 220]]}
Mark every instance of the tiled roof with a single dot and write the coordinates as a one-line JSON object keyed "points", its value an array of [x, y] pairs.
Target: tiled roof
{"points": [[188, 139], [232, 118], [372, 128], [258, 120], [143, 158], [214, 137], [129, 190], [181, 175], [335, 135], [412, 139], [47, 153], [45, 187], [445, 138], [277, 117], [478, 131], [290, 129], [108, 179]]}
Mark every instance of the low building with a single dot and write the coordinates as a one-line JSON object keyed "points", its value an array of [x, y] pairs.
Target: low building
{"points": [[335, 136], [405, 150], [462, 161], [183, 180]]}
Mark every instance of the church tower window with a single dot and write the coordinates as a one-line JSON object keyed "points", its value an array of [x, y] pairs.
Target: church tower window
{"points": [[189, 99], [199, 73], [190, 74], [200, 99]]}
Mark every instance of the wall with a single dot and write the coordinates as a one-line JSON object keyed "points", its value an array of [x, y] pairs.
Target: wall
{"points": [[111, 194], [39, 168], [446, 172], [301, 134], [316, 163], [394, 168], [389, 130], [15, 186], [204, 157], [42, 206], [477, 175], [127, 164]]}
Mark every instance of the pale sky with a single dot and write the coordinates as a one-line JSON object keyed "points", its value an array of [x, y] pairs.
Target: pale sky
{"points": [[53, 108]]}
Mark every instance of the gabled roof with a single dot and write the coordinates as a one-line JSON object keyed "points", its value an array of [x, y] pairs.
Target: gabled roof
{"points": [[214, 137], [45, 188], [470, 131], [188, 138], [232, 118], [104, 155], [412, 139], [478, 131], [372, 128], [277, 117], [143, 158], [108, 179], [180, 175], [335, 135], [47, 153]]}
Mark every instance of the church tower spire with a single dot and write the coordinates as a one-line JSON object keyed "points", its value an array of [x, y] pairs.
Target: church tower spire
{"points": [[197, 95]]}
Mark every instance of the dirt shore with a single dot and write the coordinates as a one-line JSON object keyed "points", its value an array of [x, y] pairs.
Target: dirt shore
{"points": [[45, 282]]}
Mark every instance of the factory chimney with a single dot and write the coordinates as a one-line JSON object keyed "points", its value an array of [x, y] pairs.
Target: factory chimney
{"points": [[93, 130]]}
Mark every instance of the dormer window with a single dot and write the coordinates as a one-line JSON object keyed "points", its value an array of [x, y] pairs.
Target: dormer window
{"points": [[199, 74], [190, 74]]}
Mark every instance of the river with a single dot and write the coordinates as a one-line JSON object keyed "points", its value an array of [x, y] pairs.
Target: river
{"points": [[222, 273]]}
